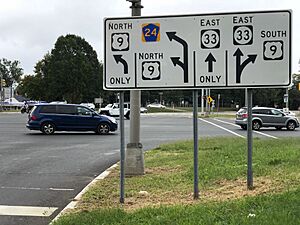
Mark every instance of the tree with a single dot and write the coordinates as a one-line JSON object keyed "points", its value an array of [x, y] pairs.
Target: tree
{"points": [[32, 86], [10, 71], [70, 72]]}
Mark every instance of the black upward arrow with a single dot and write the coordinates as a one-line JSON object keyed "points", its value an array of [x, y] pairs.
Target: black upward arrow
{"points": [[184, 65], [118, 58], [240, 67], [210, 59]]}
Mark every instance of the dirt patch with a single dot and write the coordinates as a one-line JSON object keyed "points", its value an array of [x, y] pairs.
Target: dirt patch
{"points": [[225, 189], [221, 190]]}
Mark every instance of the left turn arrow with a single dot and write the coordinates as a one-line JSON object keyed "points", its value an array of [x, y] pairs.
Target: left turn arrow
{"points": [[118, 58]]}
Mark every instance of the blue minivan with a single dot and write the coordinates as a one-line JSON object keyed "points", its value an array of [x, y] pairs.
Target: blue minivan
{"points": [[49, 118]]}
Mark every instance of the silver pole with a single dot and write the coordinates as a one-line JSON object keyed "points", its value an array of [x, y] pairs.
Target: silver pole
{"points": [[246, 97], [1, 93], [122, 149], [134, 153], [287, 99], [135, 95], [202, 101], [195, 132], [249, 141]]}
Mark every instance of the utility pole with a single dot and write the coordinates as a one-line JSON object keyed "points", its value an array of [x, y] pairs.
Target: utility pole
{"points": [[134, 158]]}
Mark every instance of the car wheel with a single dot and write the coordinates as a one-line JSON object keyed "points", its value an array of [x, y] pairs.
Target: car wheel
{"points": [[48, 128], [127, 116], [256, 125], [244, 127], [291, 125], [103, 128]]}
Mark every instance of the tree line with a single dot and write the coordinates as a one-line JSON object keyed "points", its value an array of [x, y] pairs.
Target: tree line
{"points": [[72, 72]]}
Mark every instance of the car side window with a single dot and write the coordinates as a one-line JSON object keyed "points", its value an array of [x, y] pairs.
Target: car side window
{"points": [[276, 112], [66, 109], [266, 112], [84, 111], [48, 109]]}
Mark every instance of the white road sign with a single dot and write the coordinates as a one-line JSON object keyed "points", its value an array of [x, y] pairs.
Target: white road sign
{"points": [[229, 50]]}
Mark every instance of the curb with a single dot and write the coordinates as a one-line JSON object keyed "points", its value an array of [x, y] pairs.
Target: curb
{"points": [[74, 202]]}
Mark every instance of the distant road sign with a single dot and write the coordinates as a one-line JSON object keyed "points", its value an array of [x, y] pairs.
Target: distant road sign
{"points": [[222, 50]]}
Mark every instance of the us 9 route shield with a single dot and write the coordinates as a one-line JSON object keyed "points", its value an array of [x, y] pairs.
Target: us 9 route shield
{"points": [[229, 50]]}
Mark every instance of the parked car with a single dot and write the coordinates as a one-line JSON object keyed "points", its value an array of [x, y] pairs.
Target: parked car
{"points": [[49, 118], [156, 105], [144, 110], [114, 110], [266, 117], [89, 105]]}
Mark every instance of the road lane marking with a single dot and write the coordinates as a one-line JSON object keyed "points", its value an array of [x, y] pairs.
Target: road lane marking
{"points": [[258, 132], [38, 189], [6, 210], [74, 202], [223, 128]]}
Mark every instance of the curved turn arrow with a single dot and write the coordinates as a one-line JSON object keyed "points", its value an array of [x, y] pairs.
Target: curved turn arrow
{"points": [[240, 67], [119, 59], [184, 65]]}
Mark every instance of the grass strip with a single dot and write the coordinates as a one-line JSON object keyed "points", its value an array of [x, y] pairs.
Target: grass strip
{"points": [[164, 195]]}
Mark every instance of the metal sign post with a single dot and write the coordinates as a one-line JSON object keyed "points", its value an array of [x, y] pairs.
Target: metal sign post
{"points": [[122, 149], [195, 132], [249, 140]]}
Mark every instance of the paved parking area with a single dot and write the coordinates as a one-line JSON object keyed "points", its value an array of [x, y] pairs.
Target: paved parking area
{"points": [[41, 174]]}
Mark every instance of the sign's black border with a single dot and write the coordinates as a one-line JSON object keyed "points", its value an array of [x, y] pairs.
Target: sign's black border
{"points": [[289, 11]]}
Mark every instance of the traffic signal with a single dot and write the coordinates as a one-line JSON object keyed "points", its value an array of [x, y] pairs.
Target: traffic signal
{"points": [[299, 86]]}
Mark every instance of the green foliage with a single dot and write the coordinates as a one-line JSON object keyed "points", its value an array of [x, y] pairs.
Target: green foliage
{"points": [[10, 71], [70, 72]]}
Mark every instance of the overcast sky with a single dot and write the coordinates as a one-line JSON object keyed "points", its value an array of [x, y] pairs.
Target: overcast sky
{"points": [[29, 28]]}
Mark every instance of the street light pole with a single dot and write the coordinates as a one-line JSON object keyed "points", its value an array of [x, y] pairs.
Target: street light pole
{"points": [[134, 159]]}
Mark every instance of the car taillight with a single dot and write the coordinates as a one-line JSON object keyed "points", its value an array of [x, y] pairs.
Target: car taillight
{"points": [[33, 117], [244, 115]]}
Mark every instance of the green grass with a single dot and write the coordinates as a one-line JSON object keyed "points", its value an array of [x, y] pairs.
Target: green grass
{"points": [[269, 209], [224, 198]]}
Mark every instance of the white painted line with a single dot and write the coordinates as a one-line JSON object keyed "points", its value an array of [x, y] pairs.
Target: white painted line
{"points": [[223, 128], [61, 189], [258, 132], [6, 210], [267, 135], [73, 203], [227, 122], [38, 189]]}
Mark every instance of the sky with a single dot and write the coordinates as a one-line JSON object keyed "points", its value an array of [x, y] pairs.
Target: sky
{"points": [[30, 28]]}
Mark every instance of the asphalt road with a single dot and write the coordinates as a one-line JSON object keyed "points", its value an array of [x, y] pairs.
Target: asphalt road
{"points": [[41, 174]]}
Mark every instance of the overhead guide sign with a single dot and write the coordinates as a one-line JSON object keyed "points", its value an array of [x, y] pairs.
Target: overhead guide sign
{"points": [[230, 50]]}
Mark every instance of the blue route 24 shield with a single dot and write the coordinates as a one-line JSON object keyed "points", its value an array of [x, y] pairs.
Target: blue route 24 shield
{"points": [[151, 32]]}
